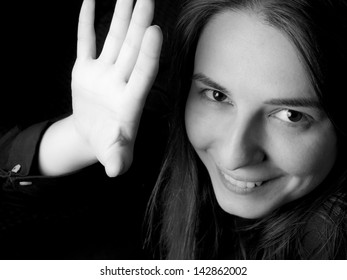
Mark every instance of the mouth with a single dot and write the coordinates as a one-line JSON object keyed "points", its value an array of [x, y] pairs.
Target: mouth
{"points": [[240, 186]]}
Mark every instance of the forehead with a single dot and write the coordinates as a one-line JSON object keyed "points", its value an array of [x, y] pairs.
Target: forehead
{"points": [[239, 50]]}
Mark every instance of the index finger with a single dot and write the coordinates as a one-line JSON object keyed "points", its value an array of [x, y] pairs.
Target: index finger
{"points": [[86, 34]]}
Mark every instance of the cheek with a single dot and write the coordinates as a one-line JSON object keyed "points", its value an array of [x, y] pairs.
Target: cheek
{"points": [[308, 156], [198, 124]]}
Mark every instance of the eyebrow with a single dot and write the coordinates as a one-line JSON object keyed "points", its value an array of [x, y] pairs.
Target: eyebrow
{"points": [[289, 102], [207, 81], [295, 102]]}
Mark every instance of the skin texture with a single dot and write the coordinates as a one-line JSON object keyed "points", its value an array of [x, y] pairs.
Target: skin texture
{"points": [[253, 116]]}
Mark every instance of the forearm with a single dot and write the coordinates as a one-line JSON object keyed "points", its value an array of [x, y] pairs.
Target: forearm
{"points": [[62, 150]]}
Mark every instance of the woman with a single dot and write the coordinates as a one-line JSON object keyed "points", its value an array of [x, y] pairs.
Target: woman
{"points": [[255, 167], [255, 164]]}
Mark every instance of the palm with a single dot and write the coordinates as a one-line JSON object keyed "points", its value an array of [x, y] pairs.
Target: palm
{"points": [[109, 92]]}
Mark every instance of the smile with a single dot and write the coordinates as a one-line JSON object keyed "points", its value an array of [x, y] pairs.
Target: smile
{"points": [[241, 184]]}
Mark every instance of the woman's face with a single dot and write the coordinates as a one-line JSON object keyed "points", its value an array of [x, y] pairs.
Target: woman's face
{"points": [[253, 117]]}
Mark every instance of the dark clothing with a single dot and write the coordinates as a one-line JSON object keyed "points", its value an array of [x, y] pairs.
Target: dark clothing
{"points": [[84, 215]]}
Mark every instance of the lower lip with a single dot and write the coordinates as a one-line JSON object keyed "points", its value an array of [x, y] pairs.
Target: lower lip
{"points": [[235, 189]]}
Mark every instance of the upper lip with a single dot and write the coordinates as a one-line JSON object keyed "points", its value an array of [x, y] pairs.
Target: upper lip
{"points": [[250, 180]]}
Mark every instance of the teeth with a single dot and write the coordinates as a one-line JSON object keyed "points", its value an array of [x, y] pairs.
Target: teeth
{"points": [[250, 185], [242, 184]]}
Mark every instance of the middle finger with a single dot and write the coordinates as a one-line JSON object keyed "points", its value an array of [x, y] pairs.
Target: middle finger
{"points": [[141, 19], [118, 30]]}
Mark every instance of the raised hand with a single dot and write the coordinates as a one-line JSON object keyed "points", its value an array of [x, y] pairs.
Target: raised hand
{"points": [[109, 91]]}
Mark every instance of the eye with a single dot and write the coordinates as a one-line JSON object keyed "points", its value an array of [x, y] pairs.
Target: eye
{"points": [[291, 116], [216, 96]]}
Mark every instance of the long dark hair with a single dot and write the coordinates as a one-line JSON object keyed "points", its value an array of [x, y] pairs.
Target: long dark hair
{"points": [[185, 221]]}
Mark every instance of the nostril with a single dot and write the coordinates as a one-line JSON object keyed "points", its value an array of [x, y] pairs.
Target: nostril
{"points": [[259, 157]]}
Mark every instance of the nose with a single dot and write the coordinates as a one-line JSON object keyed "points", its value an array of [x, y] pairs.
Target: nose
{"points": [[242, 144]]}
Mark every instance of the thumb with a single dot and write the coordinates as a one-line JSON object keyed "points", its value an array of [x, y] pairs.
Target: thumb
{"points": [[118, 160]]}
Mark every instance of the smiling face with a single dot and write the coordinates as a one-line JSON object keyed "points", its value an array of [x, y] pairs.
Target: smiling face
{"points": [[253, 117]]}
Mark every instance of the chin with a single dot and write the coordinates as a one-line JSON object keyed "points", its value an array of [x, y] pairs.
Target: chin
{"points": [[246, 210]]}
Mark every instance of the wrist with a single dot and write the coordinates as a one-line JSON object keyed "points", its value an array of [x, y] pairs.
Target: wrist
{"points": [[62, 149]]}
